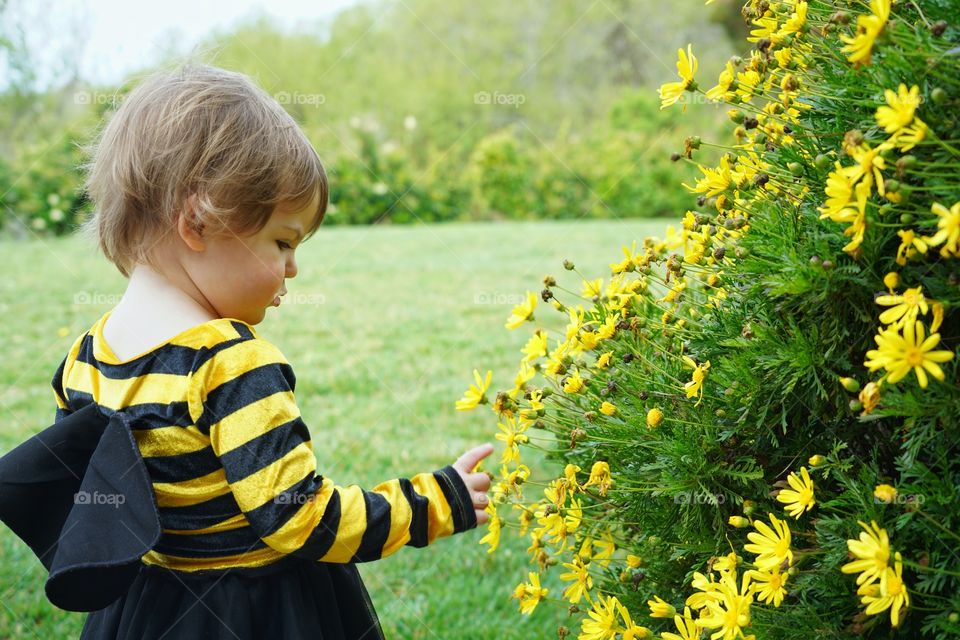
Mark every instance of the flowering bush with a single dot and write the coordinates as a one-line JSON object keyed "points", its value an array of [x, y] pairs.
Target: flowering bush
{"points": [[757, 416]]}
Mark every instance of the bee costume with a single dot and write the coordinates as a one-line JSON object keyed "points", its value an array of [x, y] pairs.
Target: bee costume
{"points": [[176, 496]]}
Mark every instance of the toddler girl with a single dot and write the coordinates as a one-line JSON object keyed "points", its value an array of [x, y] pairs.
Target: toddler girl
{"points": [[204, 188]]}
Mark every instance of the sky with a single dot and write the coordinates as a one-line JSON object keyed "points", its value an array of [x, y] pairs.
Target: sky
{"points": [[108, 39]]}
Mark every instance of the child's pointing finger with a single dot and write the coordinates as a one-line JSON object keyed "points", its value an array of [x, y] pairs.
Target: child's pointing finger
{"points": [[469, 460]]}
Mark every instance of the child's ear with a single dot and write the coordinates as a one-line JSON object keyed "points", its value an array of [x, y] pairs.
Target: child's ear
{"points": [[189, 226]]}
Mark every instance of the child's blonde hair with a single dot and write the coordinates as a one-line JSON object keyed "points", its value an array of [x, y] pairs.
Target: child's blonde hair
{"points": [[199, 130]]}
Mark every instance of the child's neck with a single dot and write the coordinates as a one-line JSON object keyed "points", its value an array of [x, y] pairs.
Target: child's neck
{"points": [[153, 310]]}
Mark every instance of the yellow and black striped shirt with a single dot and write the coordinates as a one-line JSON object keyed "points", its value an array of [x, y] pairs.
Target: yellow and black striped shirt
{"points": [[231, 460]]}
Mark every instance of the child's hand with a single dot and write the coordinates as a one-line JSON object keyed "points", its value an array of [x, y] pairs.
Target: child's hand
{"points": [[477, 483]]}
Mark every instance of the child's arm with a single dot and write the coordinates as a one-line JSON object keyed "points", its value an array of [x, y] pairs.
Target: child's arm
{"points": [[255, 429]]}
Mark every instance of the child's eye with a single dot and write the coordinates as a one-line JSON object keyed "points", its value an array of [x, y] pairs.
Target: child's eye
{"points": [[283, 245]]}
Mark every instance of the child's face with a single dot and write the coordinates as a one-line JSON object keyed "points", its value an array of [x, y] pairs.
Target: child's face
{"points": [[241, 277]]}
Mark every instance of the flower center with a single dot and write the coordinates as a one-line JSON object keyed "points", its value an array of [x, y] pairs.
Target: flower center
{"points": [[914, 357], [894, 585]]}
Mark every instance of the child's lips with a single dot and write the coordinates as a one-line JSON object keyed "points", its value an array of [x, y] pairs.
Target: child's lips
{"points": [[276, 301]]}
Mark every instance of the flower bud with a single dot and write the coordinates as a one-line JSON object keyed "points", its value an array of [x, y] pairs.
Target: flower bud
{"points": [[739, 522], [885, 493], [749, 506], [892, 280], [654, 418], [568, 265], [850, 384], [816, 460]]}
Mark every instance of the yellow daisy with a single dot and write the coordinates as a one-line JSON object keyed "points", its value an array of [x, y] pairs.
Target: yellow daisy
{"points": [[800, 497], [899, 354], [892, 593], [772, 546], [948, 229], [901, 107], [522, 312], [475, 395], [686, 67], [872, 553]]}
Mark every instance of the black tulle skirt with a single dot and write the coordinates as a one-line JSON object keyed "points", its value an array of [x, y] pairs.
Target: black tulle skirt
{"points": [[291, 599]]}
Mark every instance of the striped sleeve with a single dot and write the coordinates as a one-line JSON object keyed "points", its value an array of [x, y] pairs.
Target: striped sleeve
{"points": [[255, 428]]}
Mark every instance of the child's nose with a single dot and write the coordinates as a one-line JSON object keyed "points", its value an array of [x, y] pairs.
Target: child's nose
{"points": [[291, 267]]}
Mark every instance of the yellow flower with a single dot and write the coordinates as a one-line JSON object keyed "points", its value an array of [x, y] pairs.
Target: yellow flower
{"points": [[872, 552], [714, 181], [869, 164], [582, 580], [909, 137], [522, 312], [858, 223], [602, 621], [771, 545], [475, 395], [661, 609], [860, 46], [899, 354], [512, 437], [608, 328], [937, 316], [654, 418], [634, 562], [605, 548], [592, 288], [869, 397], [686, 68], [893, 593], [722, 90], [839, 192], [795, 22], [885, 493], [604, 360], [729, 613], [800, 497], [493, 528], [607, 408], [574, 383], [536, 346], [727, 563], [709, 591], [771, 585], [532, 594], [524, 375], [902, 105], [570, 477], [695, 386], [903, 308], [948, 229], [686, 625], [600, 477], [891, 281], [910, 244]]}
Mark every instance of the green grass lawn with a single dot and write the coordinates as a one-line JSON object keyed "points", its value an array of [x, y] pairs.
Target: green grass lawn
{"points": [[383, 326]]}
